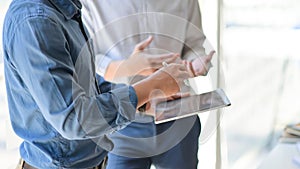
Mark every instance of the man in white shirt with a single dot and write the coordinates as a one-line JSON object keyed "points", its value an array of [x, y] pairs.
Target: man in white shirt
{"points": [[174, 27]]}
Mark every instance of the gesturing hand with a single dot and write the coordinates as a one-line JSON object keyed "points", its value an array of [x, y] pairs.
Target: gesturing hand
{"points": [[165, 82], [170, 78], [200, 66], [151, 105], [145, 64]]}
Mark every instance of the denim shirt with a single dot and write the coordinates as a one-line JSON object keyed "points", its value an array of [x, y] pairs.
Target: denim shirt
{"points": [[57, 104]]}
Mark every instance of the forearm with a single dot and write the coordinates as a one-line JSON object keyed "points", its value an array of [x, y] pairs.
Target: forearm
{"points": [[111, 69], [117, 69], [163, 83], [143, 91]]}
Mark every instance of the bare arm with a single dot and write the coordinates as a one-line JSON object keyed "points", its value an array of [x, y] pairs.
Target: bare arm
{"points": [[163, 83], [139, 62]]}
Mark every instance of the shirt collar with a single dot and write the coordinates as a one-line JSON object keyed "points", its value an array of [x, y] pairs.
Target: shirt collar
{"points": [[69, 8]]}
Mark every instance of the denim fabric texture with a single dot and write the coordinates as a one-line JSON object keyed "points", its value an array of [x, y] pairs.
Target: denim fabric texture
{"points": [[57, 104]]}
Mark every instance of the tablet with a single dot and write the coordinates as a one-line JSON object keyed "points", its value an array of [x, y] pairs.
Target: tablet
{"points": [[191, 105]]}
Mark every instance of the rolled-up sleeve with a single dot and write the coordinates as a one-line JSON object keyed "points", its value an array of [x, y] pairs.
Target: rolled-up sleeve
{"points": [[123, 93], [41, 55]]}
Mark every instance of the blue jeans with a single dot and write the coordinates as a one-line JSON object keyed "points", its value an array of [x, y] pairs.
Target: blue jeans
{"points": [[137, 148]]}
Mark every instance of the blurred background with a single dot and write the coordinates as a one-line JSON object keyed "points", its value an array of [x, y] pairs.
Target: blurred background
{"points": [[258, 66], [261, 54]]}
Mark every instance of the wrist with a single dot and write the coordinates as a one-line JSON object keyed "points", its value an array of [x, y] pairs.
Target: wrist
{"points": [[112, 70], [143, 89]]}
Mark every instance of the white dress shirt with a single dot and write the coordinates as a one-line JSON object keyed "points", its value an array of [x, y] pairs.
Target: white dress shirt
{"points": [[117, 26]]}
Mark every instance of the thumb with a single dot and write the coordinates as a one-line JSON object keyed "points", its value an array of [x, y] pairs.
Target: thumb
{"points": [[144, 44], [210, 55]]}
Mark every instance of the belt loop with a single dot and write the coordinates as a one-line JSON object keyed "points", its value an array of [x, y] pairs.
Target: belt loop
{"points": [[104, 163], [20, 164]]}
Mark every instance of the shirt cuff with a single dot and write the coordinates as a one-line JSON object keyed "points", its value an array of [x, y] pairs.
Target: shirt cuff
{"points": [[126, 99], [132, 96]]}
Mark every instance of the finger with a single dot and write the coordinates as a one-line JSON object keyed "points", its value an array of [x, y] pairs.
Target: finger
{"points": [[175, 68], [182, 67], [144, 44], [209, 56], [181, 95], [207, 60], [185, 94], [212, 52], [170, 98], [191, 69], [185, 62], [172, 59], [166, 57]]}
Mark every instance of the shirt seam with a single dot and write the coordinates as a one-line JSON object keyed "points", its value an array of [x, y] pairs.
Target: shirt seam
{"points": [[26, 19]]}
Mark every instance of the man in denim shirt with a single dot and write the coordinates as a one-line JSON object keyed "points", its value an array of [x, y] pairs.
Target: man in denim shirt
{"points": [[58, 105]]}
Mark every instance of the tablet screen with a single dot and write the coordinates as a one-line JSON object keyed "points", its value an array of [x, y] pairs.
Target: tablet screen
{"points": [[191, 105]]}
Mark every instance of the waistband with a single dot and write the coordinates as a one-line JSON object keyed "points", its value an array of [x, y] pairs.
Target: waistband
{"points": [[23, 165]]}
